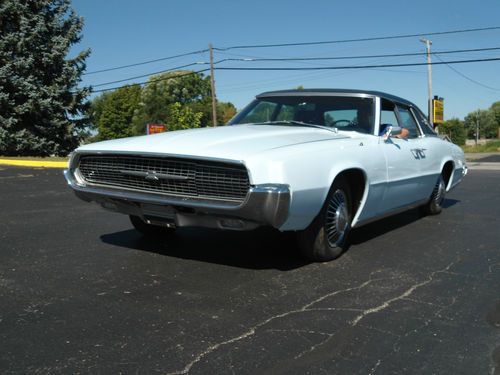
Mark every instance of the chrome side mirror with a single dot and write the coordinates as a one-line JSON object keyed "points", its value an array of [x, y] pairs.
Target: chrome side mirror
{"points": [[390, 131]]}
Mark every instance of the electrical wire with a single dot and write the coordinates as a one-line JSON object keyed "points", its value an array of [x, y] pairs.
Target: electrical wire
{"points": [[357, 57], [146, 62], [149, 74], [401, 36], [296, 59], [359, 66], [151, 81], [464, 76]]}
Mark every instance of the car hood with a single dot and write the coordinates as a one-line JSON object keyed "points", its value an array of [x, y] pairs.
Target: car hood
{"points": [[234, 142]]}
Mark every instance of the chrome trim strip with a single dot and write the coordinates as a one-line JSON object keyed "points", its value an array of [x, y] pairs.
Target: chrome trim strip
{"points": [[79, 153], [390, 213]]}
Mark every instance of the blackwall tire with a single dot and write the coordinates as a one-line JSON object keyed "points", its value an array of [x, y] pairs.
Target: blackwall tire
{"points": [[326, 237], [435, 204]]}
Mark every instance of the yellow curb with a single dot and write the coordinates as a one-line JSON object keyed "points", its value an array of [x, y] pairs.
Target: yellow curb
{"points": [[35, 163]]}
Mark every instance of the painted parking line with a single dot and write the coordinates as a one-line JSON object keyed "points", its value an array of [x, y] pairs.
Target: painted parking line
{"points": [[35, 163]]}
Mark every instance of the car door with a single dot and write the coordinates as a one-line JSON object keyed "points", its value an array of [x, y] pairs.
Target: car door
{"points": [[403, 158]]}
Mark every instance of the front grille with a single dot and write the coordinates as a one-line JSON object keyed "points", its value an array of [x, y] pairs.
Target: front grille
{"points": [[170, 176]]}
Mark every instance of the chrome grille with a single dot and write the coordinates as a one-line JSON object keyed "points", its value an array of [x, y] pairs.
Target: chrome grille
{"points": [[170, 176]]}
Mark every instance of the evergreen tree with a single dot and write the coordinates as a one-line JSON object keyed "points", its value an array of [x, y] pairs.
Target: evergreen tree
{"points": [[40, 105]]}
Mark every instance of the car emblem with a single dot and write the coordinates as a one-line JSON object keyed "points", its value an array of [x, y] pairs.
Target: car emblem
{"points": [[154, 176]]}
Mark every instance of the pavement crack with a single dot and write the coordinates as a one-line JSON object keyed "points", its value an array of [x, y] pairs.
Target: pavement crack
{"points": [[252, 330], [374, 368], [403, 295]]}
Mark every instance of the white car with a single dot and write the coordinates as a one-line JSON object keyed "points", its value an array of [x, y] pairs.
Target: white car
{"points": [[317, 162]]}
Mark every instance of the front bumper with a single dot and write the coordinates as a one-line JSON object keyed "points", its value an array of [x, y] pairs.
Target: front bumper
{"points": [[266, 204]]}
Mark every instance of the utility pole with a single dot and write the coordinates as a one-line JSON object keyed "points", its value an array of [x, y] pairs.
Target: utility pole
{"points": [[212, 84], [477, 128], [429, 77]]}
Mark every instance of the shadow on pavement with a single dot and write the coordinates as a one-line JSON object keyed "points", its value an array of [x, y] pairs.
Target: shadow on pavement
{"points": [[380, 227], [263, 248]]}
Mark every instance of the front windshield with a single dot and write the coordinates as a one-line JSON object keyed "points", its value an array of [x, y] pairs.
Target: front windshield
{"points": [[341, 112]]}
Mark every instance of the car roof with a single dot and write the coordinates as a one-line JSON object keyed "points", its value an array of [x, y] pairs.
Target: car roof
{"points": [[335, 92]]}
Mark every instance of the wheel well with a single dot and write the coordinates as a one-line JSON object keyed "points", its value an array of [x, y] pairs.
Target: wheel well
{"points": [[356, 180], [447, 172]]}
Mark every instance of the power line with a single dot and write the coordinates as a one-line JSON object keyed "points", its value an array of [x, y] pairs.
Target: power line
{"points": [[149, 74], [360, 66], [146, 62], [356, 57], [296, 59], [464, 76], [152, 81], [401, 36]]}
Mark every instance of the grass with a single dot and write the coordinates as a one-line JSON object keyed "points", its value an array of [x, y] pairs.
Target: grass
{"points": [[492, 146], [34, 158]]}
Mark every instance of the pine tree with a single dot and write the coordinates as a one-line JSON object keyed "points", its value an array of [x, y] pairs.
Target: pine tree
{"points": [[40, 105]]}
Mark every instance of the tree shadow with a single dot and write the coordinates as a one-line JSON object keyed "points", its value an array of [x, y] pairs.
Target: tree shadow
{"points": [[262, 248]]}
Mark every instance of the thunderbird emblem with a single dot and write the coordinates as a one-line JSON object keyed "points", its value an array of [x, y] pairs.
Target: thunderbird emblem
{"points": [[153, 176]]}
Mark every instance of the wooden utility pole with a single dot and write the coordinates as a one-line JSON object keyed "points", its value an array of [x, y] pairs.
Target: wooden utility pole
{"points": [[212, 84], [429, 77]]}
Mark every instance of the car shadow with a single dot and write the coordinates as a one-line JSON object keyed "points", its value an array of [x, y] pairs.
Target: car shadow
{"points": [[262, 248], [380, 227]]}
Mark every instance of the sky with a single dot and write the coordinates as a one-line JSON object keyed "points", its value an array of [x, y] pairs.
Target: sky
{"points": [[127, 32]]}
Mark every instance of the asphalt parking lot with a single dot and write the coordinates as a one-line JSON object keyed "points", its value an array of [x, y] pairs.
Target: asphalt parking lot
{"points": [[83, 293]]}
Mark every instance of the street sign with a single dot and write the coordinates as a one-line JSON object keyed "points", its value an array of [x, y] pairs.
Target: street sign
{"points": [[438, 111], [155, 128]]}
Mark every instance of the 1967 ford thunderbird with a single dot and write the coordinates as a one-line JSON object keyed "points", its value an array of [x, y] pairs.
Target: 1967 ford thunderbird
{"points": [[316, 162]]}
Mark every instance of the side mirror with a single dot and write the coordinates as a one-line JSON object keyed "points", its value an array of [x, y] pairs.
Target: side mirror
{"points": [[387, 131]]}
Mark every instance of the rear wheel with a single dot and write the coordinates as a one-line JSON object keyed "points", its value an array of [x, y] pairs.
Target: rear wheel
{"points": [[149, 229], [326, 238], [435, 204]]}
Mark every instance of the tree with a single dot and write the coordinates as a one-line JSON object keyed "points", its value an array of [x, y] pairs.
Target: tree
{"points": [[454, 128], [495, 109], [225, 112], [487, 124], [184, 87], [180, 117], [112, 112], [40, 105]]}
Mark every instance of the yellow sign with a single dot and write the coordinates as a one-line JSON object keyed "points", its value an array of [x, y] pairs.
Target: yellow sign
{"points": [[438, 111]]}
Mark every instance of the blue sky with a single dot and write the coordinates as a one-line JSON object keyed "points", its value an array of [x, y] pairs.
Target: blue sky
{"points": [[126, 32]]}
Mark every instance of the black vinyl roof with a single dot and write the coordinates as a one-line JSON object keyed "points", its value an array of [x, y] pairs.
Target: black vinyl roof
{"points": [[334, 92]]}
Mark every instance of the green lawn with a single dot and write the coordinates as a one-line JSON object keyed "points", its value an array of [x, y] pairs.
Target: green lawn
{"points": [[492, 146]]}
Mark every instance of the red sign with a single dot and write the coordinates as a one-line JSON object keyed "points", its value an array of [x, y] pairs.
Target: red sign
{"points": [[155, 128]]}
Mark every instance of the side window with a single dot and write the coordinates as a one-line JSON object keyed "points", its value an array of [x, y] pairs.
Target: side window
{"points": [[387, 116], [408, 121]]}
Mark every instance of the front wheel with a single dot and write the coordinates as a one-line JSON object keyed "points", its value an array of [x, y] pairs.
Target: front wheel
{"points": [[326, 237], [149, 229], [435, 204]]}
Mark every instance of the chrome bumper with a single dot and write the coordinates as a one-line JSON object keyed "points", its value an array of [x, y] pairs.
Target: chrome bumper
{"points": [[264, 205]]}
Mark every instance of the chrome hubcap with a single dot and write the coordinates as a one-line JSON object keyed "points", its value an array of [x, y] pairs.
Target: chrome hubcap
{"points": [[337, 218], [439, 191]]}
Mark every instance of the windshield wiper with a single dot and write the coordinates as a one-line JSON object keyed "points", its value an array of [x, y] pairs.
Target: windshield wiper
{"points": [[296, 123]]}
